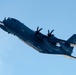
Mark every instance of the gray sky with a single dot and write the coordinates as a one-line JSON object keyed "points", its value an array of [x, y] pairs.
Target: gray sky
{"points": [[16, 57]]}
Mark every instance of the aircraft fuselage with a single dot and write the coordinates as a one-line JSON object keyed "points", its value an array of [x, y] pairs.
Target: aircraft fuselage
{"points": [[39, 41]]}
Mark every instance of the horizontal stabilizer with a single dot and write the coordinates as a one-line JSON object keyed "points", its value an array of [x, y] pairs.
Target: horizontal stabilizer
{"points": [[71, 57]]}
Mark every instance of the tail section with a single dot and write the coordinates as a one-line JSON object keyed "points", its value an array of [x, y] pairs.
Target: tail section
{"points": [[69, 45], [72, 39]]}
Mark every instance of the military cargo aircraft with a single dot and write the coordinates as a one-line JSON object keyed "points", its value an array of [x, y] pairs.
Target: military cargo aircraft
{"points": [[48, 44]]}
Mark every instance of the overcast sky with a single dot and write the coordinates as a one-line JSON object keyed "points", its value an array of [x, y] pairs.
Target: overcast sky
{"points": [[16, 57]]}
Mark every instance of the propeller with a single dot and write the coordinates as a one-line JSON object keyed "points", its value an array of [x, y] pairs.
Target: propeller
{"points": [[50, 33], [3, 20], [1, 23], [38, 30]]}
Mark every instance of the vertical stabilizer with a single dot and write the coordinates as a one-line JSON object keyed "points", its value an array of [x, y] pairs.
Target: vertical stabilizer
{"points": [[72, 39]]}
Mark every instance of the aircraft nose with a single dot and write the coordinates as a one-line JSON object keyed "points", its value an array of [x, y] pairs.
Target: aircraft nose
{"points": [[3, 27]]}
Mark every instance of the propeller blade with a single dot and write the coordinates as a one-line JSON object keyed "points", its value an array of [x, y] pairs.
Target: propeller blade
{"points": [[4, 18], [1, 22], [51, 31], [48, 31], [40, 29]]}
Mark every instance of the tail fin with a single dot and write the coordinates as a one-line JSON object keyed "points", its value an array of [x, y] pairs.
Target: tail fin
{"points": [[72, 39]]}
